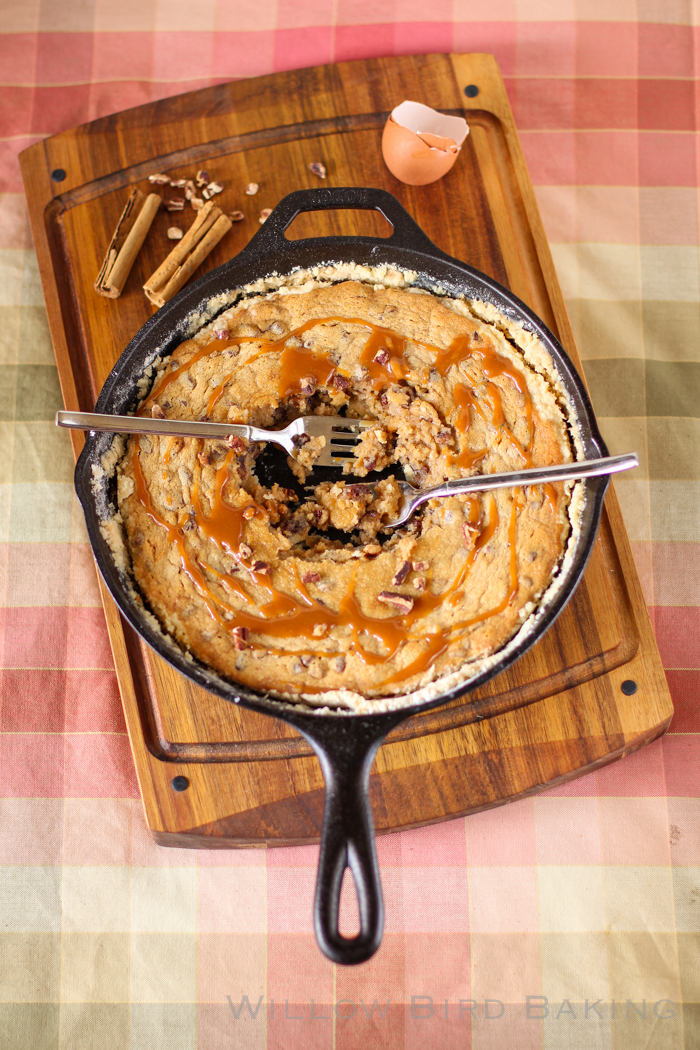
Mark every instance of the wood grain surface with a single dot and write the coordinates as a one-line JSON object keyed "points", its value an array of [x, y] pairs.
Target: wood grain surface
{"points": [[559, 711]]}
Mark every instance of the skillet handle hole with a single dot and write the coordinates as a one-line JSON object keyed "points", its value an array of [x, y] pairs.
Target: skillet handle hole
{"points": [[349, 911], [345, 222]]}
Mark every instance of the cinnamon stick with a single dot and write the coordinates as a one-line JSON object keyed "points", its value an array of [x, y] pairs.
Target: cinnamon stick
{"points": [[205, 232], [130, 233]]}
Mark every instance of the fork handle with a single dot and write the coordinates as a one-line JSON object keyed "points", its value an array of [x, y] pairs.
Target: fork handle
{"points": [[160, 427], [535, 475]]}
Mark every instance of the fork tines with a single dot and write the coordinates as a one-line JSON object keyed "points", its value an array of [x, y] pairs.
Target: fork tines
{"points": [[341, 445]]}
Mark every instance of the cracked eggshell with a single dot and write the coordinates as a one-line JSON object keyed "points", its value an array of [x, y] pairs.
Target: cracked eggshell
{"points": [[419, 144]]}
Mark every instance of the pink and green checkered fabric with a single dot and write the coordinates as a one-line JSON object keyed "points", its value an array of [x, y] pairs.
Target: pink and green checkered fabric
{"points": [[564, 921]]}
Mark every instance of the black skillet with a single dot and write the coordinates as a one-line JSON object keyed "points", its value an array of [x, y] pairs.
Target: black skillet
{"points": [[344, 743]]}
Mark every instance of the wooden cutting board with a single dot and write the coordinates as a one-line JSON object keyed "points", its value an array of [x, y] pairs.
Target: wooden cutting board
{"points": [[251, 779]]}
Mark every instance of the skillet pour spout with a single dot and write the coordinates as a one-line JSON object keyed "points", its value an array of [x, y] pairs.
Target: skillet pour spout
{"points": [[345, 743]]}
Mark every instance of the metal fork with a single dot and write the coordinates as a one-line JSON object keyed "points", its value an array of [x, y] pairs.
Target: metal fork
{"points": [[413, 497], [342, 435]]}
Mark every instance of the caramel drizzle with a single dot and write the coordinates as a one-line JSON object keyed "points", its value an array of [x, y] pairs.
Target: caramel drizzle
{"points": [[284, 616]]}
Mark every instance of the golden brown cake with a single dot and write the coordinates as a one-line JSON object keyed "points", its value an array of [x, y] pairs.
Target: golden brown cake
{"points": [[249, 579]]}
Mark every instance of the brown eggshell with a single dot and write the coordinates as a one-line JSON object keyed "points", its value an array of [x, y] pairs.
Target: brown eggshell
{"points": [[411, 159]]}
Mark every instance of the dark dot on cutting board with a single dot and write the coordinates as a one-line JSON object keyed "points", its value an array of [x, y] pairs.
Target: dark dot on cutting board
{"points": [[629, 688], [471, 91], [180, 783], [58, 175]]}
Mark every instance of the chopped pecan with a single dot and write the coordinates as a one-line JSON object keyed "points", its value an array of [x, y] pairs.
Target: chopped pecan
{"points": [[261, 567], [265, 215], [444, 437], [357, 491], [204, 458], [175, 204], [157, 412], [399, 601], [159, 180], [382, 356], [307, 385], [221, 333], [197, 203], [178, 184], [301, 439], [202, 178], [240, 637], [252, 188], [236, 216], [190, 190], [469, 531], [237, 444], [311, 577], [244, 550], [175, 233], [213, 188], [306, 659], [320, 630], [419, 582], [339, 664], [340, 382], [420, 566], [316, 168], [401, 573]]}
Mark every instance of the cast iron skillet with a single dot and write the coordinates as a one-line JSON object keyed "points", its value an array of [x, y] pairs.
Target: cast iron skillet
{"points": [[344, 743]]}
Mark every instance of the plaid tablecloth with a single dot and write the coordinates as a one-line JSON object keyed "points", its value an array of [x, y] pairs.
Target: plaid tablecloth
{"points": [[567, 920]]}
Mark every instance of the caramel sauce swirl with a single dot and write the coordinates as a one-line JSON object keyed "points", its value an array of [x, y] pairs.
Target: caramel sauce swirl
{"points": [[285, 610], [280, 615]]}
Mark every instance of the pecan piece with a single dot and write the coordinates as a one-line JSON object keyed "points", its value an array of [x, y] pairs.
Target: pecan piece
{"points": [[311, 577], [469, 531], [307, 385], [357, 491], [157, 412], [237, 444], [244, 550], [401, 573], [399, 601], [340, 382], [382, 356], [240, 637], [159, 180], [174, 233], [202, 178], [316, 168], [213, 188], [339, 664], [419, 582], [252, 188], [421, 566], [265, 215], [175, 204], [236, 216]]}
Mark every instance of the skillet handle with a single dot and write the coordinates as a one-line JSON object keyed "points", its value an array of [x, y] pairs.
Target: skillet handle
{"points": [[346, 748], [270, 237]]}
